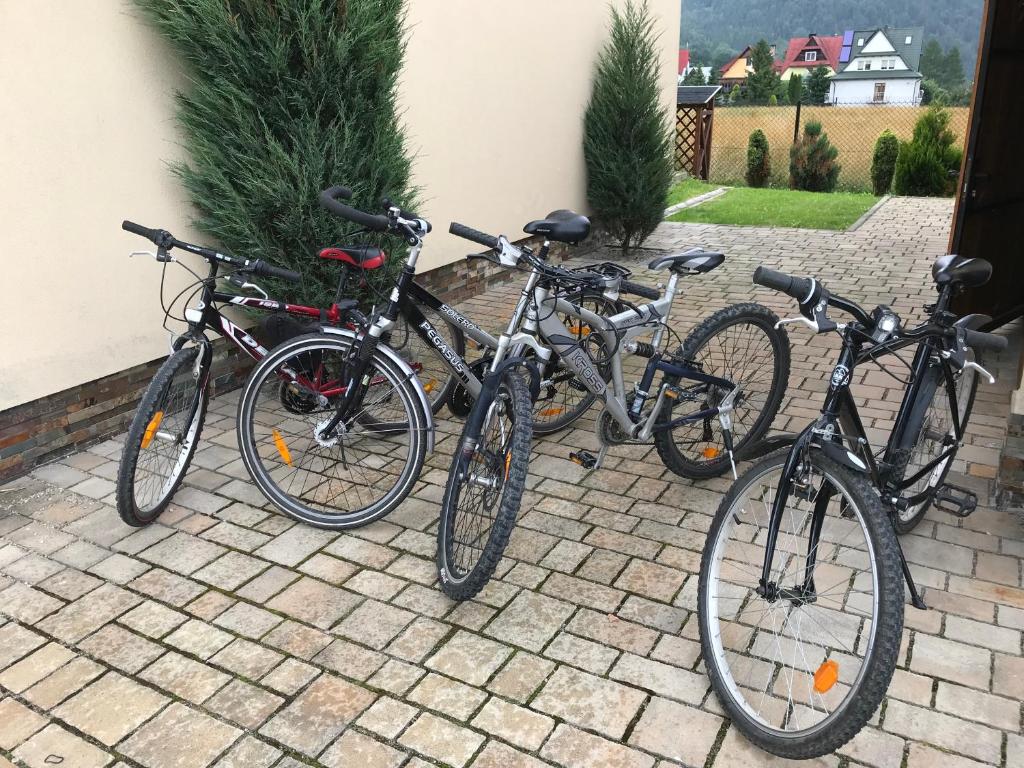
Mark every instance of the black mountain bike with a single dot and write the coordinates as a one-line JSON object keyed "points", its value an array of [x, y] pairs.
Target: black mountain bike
{"points": [[800, 597]]}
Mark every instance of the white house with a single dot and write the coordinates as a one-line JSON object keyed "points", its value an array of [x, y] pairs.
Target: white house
{"points": [[879, 66]]}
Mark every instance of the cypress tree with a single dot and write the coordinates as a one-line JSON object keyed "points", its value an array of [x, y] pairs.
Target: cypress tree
{"points": [[626, 139], [284, 98]]}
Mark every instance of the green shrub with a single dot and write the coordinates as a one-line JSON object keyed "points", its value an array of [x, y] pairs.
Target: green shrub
{"points": [[812, 161], [928, 164], [626, 139], [883, 162], [759, 161], [773, 100], [281, 100], [734, 94], [795, 89]]}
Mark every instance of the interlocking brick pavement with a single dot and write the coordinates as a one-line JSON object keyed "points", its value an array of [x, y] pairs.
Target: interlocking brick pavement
{"points": [[227, 635]]}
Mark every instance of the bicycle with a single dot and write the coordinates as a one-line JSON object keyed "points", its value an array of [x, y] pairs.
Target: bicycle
{"points": [[348, 460], [800, 623], [466, 535], [165, 430]]}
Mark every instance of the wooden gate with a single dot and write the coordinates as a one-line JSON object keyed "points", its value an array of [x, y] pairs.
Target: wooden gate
{"points": [[695, 112]]}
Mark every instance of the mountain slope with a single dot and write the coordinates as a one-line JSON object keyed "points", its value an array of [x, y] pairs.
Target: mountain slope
{"points": [[709, 26]]}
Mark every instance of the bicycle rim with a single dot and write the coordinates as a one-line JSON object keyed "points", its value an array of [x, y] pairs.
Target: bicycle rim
{"points": [[792, 669], [347, 478], [168, 439]]}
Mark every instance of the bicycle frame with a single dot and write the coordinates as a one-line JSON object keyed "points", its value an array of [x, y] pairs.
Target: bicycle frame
{"points": [[840, 420], [615, 331]]}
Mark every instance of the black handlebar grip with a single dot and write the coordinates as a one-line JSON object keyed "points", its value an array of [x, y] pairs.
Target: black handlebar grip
{"points": [[980, 340], [328, 200], [799, 288], [158, 237], [639, 290], [269, 270], [473, 235]]}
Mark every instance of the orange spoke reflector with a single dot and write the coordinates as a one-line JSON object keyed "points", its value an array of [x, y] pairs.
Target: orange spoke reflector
{"points": [[151, 428], [551, 411], [286, 455], [508, 464], [580, 330], [711, 452], [826, 676], [429, 386]]}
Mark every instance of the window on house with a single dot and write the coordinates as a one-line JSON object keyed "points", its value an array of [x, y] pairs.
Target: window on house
{"points": [[879, 92], [749, 62], [908, 41], [864, 64], [888, 63], [810, 56], [860, 41]]}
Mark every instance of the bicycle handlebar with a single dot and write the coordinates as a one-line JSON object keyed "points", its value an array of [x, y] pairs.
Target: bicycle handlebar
{"points": [[981, 340], [805, 290], [473, 235], [329, 200], [639, 290], [165, 240]]}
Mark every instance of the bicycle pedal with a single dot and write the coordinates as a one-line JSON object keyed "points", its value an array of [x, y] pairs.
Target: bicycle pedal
{"points": [[955, 499], [585, 459]]}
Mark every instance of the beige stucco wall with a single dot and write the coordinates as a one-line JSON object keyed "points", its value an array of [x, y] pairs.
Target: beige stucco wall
{"points": [[493, 97]]}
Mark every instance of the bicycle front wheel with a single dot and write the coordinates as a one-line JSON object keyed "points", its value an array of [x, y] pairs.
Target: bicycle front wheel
{"points": [[802, 666], [485, 488], [361, 470], [162, 438]]}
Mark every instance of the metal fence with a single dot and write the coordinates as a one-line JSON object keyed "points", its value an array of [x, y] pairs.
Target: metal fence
{"points": [[853, 130]]}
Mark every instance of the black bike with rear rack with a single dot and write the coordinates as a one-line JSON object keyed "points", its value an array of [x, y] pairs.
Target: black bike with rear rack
{"points": [[800, 597]]}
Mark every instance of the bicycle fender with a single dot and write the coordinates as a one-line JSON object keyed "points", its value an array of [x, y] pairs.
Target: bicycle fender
{"points": [[839, 454], [409, 374]]}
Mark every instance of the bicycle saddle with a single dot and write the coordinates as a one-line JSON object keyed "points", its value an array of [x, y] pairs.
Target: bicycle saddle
{"points": [[562, 226], [970, 273], [694, 260], [359, 256]]}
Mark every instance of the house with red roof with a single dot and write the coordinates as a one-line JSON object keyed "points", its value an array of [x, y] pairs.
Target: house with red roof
{"points": [[806, 53]]}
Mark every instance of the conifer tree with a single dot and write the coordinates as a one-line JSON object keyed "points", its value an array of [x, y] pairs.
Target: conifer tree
{"points": [[812, 161], [284, 98], [626, 139], [764, 80]]}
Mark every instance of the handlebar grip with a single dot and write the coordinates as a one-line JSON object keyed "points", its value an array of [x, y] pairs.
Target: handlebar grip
{"points": [[328, 199], [387, 203], [269, 270], [158, 237], [980, 340], [800, 288], [473, 235], [639, 290]]}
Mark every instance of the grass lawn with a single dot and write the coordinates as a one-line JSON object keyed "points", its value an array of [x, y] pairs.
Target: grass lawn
{"points": [[744, 206], [688, 188]]}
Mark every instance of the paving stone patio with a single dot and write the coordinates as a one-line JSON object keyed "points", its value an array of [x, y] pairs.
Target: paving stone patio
{"points": [[227, 635]]}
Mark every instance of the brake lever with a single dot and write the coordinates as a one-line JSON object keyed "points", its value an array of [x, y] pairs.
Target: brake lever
{"points": [[160, 255], [960, 362]]}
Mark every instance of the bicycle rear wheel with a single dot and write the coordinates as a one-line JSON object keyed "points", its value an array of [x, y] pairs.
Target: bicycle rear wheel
{"points": [[357, 474], [740, 344], [485, 488], [162, 438], [802, 672], [930, 433]]}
